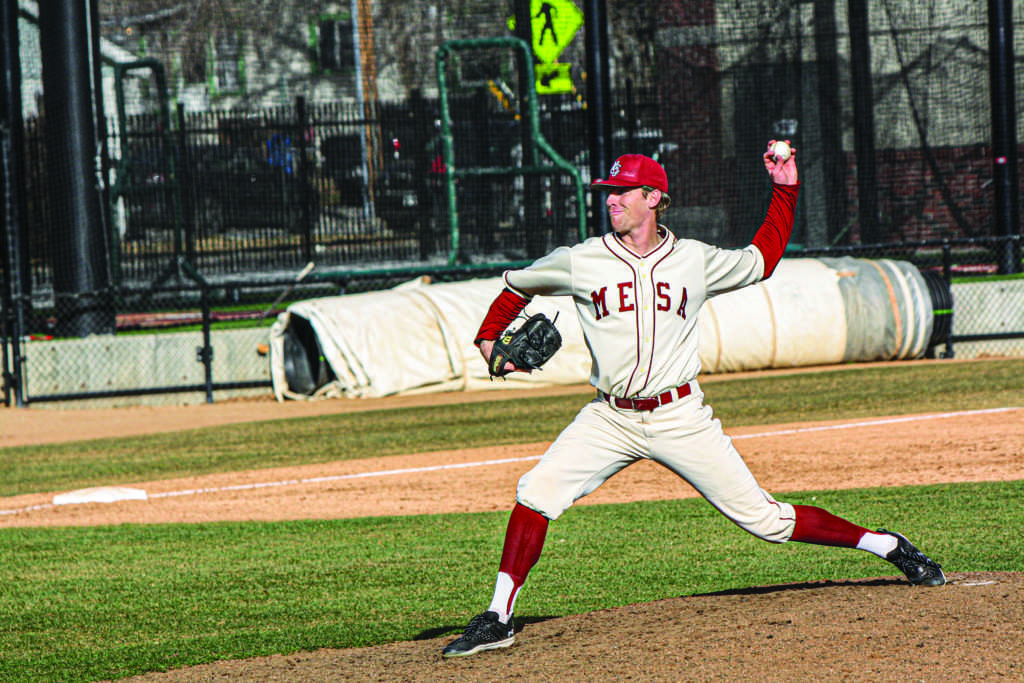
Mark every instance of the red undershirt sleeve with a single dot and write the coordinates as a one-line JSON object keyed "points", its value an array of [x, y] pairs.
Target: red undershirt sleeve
{"points": [[773, 235], [500, 315]]}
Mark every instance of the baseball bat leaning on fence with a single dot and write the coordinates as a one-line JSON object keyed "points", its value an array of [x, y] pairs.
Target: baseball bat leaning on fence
{"points": [[288, 290]]}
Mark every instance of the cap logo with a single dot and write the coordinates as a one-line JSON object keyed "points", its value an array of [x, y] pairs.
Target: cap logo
{"points": [[616, 167]]}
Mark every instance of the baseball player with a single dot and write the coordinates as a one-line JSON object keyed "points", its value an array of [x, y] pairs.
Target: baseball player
{"points": [[637, 292]]}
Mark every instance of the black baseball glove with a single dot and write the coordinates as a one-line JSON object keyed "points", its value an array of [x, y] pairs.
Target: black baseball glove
{"points": [[528, 348]]}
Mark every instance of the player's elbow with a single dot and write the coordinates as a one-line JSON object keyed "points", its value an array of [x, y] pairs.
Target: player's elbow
{"points": [[765, 264]]}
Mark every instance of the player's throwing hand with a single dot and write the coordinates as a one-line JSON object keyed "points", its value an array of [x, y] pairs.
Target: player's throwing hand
{"points": [[781, 167]]}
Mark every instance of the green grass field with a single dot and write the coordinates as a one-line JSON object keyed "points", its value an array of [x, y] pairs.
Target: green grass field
{"points": [[83, 604]]}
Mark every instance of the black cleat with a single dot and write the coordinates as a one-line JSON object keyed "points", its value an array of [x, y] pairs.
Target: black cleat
{"points": [[919, 568], [484, 632]]}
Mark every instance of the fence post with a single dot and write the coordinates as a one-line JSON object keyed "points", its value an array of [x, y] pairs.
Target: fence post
{"points": [[1004, 131], [81, 267], [204, 353], [16, 281], [947, 275], [599, 123], [863, 121], [302, 178], [184, 185], [207, 348]]}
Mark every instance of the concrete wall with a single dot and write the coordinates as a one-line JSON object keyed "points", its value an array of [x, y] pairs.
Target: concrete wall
{"points": [[108, 363], [988, 308]]}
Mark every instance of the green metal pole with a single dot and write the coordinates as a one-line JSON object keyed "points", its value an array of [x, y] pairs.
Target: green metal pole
{"points": [[532, 121]]}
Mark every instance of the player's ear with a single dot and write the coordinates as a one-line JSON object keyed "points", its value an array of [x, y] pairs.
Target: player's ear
{"points": [[653, 197]]}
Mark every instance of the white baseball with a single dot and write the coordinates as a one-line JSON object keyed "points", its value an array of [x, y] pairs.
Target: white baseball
{"points": [[781, 151]]}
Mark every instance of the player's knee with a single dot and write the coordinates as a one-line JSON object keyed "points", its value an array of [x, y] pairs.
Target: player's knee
{"points": [[542, 494], [775, 525], [775, 535]]}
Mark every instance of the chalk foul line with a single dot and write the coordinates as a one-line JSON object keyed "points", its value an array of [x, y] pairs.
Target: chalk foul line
{"points": [[876, 423]]}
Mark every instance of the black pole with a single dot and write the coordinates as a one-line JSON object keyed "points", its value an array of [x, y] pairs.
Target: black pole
{"points": [[829, 103], [302, 179], [80, 274], [599, 118], [206, 350], [16, 281], [1004, 131], [103, 159], [536, 240], [863, 121], [184, 183]]}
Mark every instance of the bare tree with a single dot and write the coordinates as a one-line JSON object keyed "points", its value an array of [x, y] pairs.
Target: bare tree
{"points": [[185, 27]]}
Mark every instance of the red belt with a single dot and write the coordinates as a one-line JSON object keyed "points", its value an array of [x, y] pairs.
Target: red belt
{"points": [[661, 399]]}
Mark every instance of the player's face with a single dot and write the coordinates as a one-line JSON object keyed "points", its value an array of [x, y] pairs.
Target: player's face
{"points": [[628, 208]]}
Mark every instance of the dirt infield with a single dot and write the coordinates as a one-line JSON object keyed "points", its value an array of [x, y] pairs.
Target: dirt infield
{"points": [[874, 630], [932, 449], [879, 629]]}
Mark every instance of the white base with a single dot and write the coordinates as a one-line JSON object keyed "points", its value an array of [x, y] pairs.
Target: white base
{"points": [[101, 494]]}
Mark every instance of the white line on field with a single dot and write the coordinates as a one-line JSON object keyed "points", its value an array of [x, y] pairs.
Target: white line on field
{"points": [[874, 423], [504, 461], [337, 477]]}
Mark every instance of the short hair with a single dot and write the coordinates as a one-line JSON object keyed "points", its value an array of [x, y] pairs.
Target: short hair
{"points": [[663, 204]]}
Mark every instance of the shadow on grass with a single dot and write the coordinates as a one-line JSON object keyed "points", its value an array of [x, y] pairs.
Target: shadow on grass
{"points": [[521, 622], [806, 585]]}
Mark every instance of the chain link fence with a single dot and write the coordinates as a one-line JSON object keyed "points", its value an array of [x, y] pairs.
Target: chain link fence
{"points": [[304, 157]]}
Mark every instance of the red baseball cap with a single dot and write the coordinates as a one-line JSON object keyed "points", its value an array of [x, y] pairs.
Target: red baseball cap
{"points": [[635, 170]]}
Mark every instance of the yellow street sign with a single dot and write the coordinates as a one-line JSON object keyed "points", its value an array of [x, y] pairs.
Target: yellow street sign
{"points": [[554, 24], [553, 79]]}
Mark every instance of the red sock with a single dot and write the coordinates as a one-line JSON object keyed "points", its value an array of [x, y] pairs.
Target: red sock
{"points": [[524, 540], [814, 525]]}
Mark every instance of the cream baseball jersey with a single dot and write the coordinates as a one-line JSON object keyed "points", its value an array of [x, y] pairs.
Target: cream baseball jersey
{"points": [[638, 312]]}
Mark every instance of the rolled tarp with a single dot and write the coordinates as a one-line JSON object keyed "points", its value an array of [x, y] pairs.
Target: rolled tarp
{"points": [[889, 310], [412, 339], [418, 337]]}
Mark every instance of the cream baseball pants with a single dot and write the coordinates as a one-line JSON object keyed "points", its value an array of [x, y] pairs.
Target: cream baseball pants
{"points": [[682, 436]]}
